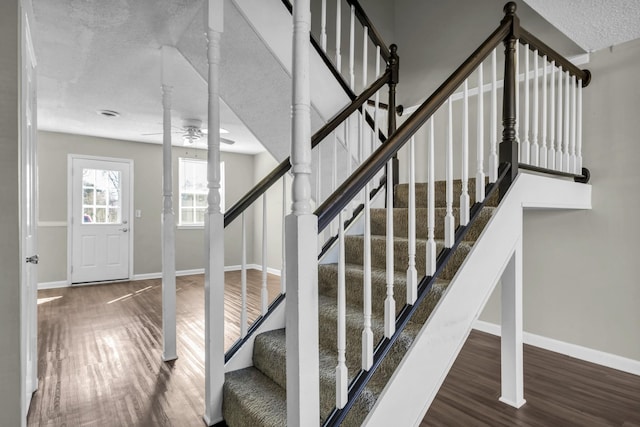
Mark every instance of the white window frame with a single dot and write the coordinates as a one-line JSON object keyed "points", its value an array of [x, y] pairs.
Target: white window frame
{"points": [[182, 163]]}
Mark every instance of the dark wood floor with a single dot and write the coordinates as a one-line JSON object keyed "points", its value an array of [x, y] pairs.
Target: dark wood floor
{"points": [[559, 390], [100, 365], [100, 348]]}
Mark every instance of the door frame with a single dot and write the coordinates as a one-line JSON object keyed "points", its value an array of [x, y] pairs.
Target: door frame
{"points": [[28, 157], [70, 159]]}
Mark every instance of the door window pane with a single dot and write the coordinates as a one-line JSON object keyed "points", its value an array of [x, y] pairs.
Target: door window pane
{"points": [[101, 188]]}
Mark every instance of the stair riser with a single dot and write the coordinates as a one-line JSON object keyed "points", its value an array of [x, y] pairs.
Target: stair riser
{"points": [[354, 255], [401, 223], [402, 194]]}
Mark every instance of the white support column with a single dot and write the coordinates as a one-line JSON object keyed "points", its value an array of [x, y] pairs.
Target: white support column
{"points": [[169, 351], [511, 340], [412, 273], [303, 382], [464, 195], [494, 137], [214, 229]]}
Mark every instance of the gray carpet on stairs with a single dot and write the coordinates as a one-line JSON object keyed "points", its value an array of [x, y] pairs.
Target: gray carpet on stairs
{"points": [[256, 396]]}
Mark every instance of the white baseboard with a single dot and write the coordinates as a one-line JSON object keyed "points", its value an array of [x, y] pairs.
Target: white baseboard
{"points": [[270, 270], [576, 351], [53, 285], [149, 276]]}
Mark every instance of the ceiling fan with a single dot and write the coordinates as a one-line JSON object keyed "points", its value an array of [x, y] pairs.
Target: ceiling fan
{"points": [[192, 132]]}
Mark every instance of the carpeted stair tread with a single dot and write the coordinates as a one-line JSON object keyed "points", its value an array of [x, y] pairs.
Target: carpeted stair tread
{"points": [[256, 396], [354, 281], [252, 399], [401, 194], [354, 254], [269, 350], [401, 222]]}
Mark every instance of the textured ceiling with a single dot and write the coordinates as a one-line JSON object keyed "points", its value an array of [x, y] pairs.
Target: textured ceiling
{"points": [[593, 24], [96, 54]]}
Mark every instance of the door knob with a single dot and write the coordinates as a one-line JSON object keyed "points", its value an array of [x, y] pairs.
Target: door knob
{"points": [[33, 259], [124, 229]]}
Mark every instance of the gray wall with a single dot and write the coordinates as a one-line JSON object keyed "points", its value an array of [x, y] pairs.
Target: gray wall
{"points": [[10, 261], [581, 268], [147, 158]]}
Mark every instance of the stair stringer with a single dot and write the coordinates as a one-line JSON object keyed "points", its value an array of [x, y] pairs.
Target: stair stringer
{"points": [[415, 383]]}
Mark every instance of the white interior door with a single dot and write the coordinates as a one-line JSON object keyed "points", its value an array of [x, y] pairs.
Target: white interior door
{"points": [[101, 231], [29, 208]]}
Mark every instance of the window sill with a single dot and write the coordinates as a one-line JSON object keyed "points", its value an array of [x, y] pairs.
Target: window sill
{"points": [[190, 227]]}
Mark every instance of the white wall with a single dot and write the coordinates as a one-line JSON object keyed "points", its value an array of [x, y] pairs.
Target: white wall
{"points": [[581, 268], [10, 262], [54, 148]]}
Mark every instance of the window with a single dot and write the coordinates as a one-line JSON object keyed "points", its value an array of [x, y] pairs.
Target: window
{"points": [[101, 197], [193, 191]]}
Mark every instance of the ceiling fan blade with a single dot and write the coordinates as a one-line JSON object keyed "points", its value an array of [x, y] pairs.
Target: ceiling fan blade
{"points": [[227, 141], [159, 133]]}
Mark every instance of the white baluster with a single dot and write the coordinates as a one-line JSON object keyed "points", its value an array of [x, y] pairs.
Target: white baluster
{"points": [[265, 293], [431, 203], [338, 35], [559, 124], [367, 333], [543, 149], [579, 130], [323, 26], [412, 273], [480, 139], [342, 392], [389, 303], [535, 147], [334, 177], [318, 176], [243, 281], [376, 111], [449, 221], [526, 145], [464, 196], [551, 161], [352, 39], [566, 157], [493, 137], [283, 271], [572, 161], [365, 56]]}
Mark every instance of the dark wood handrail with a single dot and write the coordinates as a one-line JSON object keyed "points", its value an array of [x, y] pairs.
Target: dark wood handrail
{"points": [[535, 43], [354, 184], [285, 165]]}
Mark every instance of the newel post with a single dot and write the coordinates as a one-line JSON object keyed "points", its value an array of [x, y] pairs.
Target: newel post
{"points": [[394, 67], [214, 228], [509, 145], [301, 233]]}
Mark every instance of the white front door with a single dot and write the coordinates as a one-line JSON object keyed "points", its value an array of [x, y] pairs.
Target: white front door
{"points": [[101, 230], [28, 201]]}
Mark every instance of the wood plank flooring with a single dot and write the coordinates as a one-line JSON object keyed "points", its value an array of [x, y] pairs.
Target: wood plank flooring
{"points": [[559, 390], [100, 365], [100, 351]]}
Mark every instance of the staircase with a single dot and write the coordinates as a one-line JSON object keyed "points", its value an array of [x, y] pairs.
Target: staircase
{"points": [[458, 245], [255, 396]]}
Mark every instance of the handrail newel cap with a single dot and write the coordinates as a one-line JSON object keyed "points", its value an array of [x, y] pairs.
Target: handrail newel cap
{"points": [[586, 79], [394, 64], [510, 14]]}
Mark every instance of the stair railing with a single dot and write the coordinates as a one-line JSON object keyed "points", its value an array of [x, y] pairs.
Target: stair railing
{"points": [[352, 134], [499, 162]]}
